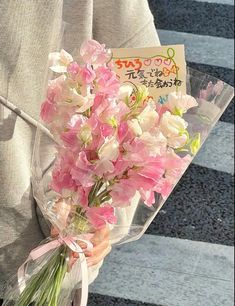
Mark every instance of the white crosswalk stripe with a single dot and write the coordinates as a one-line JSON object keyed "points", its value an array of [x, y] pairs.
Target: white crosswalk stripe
{"points": [[202, 49], [169, 271], [228, 2]]}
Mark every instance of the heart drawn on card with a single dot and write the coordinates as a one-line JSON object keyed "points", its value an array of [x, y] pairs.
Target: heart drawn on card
{"points": [[158, 61], [147, 62], [167, 61]]}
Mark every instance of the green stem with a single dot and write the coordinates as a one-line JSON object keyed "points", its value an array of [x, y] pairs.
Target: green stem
{"points": [[39, 281]]}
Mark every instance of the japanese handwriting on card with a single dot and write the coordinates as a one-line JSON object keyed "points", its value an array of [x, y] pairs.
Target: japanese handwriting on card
{"points": [[161, 69]]}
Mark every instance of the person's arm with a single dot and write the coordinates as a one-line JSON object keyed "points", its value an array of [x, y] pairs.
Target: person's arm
{"points": [[124, 24]]}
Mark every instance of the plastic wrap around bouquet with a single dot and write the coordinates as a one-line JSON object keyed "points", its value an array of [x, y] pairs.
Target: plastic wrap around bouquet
{"points": [[108, 155]]}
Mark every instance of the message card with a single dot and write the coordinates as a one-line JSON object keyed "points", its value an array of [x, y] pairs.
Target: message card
{"points": [[161, 69]]}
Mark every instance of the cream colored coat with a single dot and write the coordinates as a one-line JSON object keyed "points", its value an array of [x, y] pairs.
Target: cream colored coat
{"points": [[29, 30]]}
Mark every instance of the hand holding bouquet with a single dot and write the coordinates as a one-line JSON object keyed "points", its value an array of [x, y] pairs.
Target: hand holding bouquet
{"points": [[112, 141]]}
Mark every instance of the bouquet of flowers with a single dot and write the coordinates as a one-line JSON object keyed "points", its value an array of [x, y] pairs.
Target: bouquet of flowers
{"points": [[110, 155]]}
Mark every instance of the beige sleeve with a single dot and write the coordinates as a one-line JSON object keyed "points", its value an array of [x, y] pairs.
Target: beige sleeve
{"points": [[122, 23]]}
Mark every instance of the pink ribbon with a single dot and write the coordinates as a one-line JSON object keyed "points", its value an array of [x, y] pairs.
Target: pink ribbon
{"points": [[54, 244]]}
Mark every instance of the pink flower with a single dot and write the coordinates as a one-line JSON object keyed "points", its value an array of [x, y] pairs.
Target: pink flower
{"points": [[54, 92], [48, 111], [124, 134], [87, 74], [98, 216], [120, 166], [73, 69], [146, 176], [103, 167], [60, 120], [94, 53], [62, 180], [135, 152], [147, 196], [122, 193], [56, 88], [164, 187], [175, 166], [71, 138], [61, 176], [106, 82], [83, 172], [106, 130], [101, 102], [80, 196]]}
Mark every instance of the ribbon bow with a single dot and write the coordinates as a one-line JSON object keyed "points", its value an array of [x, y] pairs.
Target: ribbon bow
{"points": [[54, 244]]}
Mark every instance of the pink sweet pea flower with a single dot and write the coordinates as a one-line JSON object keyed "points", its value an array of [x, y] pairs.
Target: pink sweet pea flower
{"points": [[124, 133], [73, 69], [94, 53], [120, 166], [80, 196], [122, 193], [147, 196], [61, 176], [56, 88], [71, 138], [54, 92], [62, 180], [175, 166], [87, 74], [135, 152], [106, 82], [154, 142], [101, 102], [48, 111], [98, 216], [103, 167], [83, 171], [147, 174], [164, 187]]}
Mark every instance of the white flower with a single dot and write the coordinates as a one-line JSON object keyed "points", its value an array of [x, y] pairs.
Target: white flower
{"points": [[145, 121], [174, 129], [85, 134], [135, 127], [110, 149], [155, 142], [125, 91], [179, 104], [58, 61], [148, 118], [87, 101]]}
